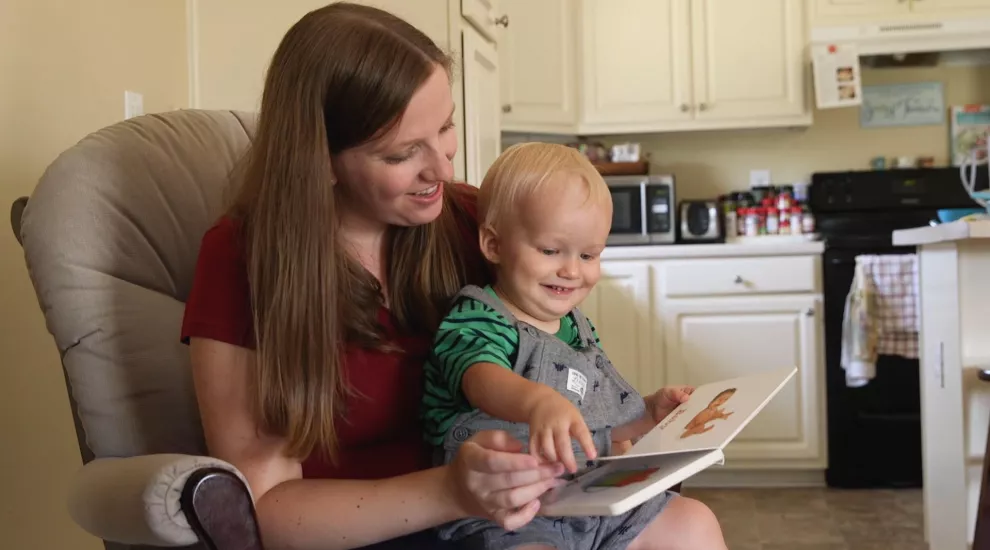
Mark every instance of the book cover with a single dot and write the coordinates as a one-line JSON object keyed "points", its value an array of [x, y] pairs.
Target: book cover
{"points": [[689, 440]]}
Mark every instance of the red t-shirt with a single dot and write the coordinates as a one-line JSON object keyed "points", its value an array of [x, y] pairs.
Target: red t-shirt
{"points": [[381, 436]]}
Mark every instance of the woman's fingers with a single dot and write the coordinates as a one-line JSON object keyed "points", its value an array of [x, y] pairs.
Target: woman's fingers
{"points": [[510, 520], [523, 478], [519, 496]]}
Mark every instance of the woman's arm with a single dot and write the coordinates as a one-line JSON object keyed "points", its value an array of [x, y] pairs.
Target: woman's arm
{"points": [[489, 479]]}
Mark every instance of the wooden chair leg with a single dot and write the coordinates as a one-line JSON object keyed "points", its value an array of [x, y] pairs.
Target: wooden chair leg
{"points": [[981, 537]]}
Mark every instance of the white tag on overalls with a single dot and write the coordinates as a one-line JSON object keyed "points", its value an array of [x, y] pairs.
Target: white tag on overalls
{"points": [[577, 382]]}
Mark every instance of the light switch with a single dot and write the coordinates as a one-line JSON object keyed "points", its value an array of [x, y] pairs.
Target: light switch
{"points": [[133, 104]]}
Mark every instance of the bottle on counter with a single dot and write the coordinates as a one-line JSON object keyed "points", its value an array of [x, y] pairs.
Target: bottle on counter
{"points": [[807, 221], [797, 227], [751, 219], [729, 216], [773, 221]]}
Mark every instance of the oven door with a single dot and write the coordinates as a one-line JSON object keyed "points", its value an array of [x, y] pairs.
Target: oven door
{"points": [[628, 205]]}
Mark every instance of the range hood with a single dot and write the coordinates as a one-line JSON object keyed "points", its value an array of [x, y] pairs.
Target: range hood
{"points": [[907, 36]]}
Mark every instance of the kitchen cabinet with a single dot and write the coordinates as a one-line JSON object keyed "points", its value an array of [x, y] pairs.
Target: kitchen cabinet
{"points": [[225, 74], [482, 134], [676, 319], [660, 65], [483, 16], [711, 339], [537, 65], [840, 12], [621, 308]]}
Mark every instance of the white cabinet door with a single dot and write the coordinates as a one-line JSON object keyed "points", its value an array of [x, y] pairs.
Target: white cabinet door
{"points": [[742, 74], [855, 8], [623, 313], [712, 339], [537, 65], [483, 14], [482, 132], [636, 62], [951, 7]]}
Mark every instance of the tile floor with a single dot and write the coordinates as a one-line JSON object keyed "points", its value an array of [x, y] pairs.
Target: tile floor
{"points": [[817, 519]]}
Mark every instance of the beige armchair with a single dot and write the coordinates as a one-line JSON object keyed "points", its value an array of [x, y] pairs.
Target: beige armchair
{"points": [[110, 237]]}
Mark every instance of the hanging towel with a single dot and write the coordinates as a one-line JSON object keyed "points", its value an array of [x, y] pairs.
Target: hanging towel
{"points": [[881, 315], [859, 330], [895, 277]]}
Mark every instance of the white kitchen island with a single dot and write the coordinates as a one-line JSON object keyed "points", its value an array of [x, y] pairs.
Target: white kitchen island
{"points": [[954, 272]]}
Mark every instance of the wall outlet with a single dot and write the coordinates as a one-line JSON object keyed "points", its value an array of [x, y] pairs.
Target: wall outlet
{"points": [[133, 104], [759, 178]]}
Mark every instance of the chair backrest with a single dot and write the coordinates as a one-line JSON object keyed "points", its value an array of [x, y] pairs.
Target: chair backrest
{"points": [[111, 235]]}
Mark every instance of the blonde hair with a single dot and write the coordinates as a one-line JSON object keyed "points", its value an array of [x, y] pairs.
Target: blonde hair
{"points": [[525, 170]]}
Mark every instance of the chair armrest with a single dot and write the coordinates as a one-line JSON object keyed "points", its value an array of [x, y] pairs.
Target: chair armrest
{"points": [[164, 500]]}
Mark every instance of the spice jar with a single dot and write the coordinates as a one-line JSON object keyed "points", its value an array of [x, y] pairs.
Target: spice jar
{"points": [[796, 221], [807, 221], [773, 221], [752, 222]]}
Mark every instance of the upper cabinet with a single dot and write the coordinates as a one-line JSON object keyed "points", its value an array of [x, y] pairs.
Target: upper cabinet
{"points": [[607, 67], [537, 65], [484, 15], [839, 12], [482, 134]]}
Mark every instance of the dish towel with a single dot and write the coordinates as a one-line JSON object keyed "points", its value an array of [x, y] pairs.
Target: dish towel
{"points": [[881, 314]]}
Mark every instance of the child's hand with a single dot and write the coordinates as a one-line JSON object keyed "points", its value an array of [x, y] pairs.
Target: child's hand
{"points": [[553, 422], [665, 400]]}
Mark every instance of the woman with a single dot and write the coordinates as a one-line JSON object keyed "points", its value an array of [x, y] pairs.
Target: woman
{"points": [[315, 298]]}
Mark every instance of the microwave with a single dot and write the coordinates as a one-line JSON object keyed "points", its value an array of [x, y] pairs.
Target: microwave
{"points": [[643, 209]]}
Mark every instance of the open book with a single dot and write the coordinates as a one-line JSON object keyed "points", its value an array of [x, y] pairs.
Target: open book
{"points": [[688, 441]]}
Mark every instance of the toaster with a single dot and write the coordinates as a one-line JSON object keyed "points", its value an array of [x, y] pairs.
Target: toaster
{"points": [[700, 221]]}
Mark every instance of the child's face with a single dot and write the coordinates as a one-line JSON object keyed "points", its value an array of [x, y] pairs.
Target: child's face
{"points": [[549, 255]]}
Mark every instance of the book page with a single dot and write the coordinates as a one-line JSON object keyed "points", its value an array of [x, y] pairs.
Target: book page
{"points": [[617, 487], [713, 415]]}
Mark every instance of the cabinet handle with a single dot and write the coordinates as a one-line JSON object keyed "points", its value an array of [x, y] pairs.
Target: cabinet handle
{"points": [[941, 365], [506, 108], [810, 312], [739, 280], [685, 107], [703, 107], [502, 21]]}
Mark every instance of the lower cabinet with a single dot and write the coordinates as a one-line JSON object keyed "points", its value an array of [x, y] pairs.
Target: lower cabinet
{"points": [[657, 334], [718, 338]]}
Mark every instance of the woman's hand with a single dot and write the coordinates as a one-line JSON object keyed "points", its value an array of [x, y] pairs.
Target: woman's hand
{"points": [[665, 400], [490, 478], [553, 421]]}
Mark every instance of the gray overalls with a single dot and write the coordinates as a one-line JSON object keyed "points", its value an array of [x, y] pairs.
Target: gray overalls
{"points": [[587, 378]]}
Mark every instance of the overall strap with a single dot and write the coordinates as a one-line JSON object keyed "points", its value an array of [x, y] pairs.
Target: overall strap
{"points": [[584, 327], [477, 293]]}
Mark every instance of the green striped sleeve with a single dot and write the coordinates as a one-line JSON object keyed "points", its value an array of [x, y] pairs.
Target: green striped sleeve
{"points": [[472, 333]]}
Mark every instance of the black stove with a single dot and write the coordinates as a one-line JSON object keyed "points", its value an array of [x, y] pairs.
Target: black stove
{"points": [[874, 431]]}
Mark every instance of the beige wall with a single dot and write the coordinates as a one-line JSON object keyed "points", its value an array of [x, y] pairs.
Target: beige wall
{"points": [[229, 71], [64, 66], [710, 163]]}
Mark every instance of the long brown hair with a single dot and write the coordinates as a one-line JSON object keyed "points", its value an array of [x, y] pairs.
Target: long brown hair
{"points": [[341, 76]]}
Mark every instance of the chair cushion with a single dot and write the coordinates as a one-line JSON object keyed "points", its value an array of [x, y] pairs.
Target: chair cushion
{"points": [[111, 234]]}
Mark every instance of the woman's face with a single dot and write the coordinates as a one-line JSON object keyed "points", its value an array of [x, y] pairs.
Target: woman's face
{"points": [[397, 178]]}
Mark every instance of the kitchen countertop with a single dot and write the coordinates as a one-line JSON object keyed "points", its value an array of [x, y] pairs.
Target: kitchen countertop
{"points": [[946, 232], [754, 246]]}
